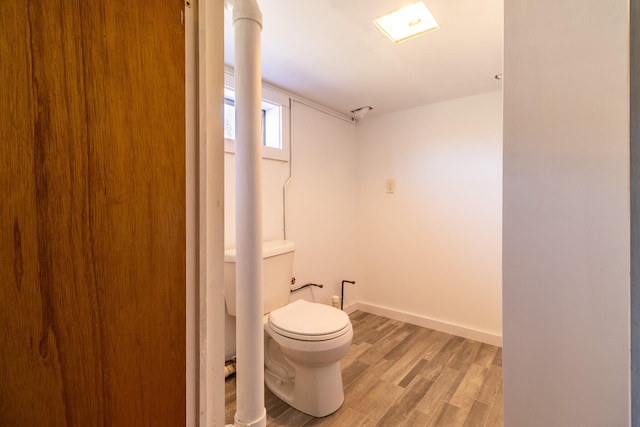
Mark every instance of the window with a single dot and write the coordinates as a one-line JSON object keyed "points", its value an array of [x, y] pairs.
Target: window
{"points": [[229, 118], [275, 122]]}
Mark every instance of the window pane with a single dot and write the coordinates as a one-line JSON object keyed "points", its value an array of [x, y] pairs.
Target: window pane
{"points": [[264, 127], [229, 119], [271, 119]]}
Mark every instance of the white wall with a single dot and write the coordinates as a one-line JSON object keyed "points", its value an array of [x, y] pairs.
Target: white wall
{"points": [[274, 175], [321, 202], [430, 253], [566, 213]]}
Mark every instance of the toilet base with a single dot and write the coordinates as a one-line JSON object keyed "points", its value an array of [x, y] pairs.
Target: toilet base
{"points": [[316, 391]]}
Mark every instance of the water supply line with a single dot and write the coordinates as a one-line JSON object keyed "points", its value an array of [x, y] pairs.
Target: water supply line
{"points": [[306, 285], [250, 407], [342, 292]]}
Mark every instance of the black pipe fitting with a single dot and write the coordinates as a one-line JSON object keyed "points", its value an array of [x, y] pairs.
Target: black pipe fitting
{"points": [[306, 285], [342, 292]]}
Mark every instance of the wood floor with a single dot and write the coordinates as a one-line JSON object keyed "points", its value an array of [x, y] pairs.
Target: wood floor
{"points": [[397, 374]]}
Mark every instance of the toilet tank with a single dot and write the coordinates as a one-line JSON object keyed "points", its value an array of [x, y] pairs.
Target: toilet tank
{"points": [[277, 270]]}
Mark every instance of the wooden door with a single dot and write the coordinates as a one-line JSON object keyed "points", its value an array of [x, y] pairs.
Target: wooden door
{"points": [[92, 213]]}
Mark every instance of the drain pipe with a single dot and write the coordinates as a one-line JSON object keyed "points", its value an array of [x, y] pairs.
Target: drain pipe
{"points": [[250, 408]]}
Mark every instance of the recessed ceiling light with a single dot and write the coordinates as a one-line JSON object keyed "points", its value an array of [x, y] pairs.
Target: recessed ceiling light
{"points": [[407, 22]]}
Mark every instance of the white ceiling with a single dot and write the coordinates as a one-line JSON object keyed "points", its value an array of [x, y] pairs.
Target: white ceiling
{"points": [[330, 52]]}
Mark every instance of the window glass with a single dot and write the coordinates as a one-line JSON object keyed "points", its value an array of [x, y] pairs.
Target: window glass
{"points": [[275, 122], [229, 119]]}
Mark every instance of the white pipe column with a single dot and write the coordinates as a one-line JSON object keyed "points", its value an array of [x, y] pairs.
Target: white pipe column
{"points": [[250, 409]]}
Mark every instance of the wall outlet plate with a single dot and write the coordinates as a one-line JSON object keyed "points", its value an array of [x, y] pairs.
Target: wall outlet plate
{"points": [[390, 185]]}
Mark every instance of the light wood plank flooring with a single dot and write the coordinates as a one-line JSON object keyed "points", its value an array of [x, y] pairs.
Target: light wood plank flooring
{"points": [[398, 374]]}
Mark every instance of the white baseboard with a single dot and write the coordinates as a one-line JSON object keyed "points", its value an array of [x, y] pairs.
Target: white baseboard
{"points": [[350, 308], [426, 322]]}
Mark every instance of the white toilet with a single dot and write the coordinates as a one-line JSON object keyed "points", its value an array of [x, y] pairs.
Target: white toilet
{"points": [[304, 341]]}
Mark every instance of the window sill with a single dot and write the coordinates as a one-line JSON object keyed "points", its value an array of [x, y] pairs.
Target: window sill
{"points": [[267, 152]]}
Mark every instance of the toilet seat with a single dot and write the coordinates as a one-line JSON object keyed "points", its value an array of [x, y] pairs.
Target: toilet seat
{"points": [[307, 321]]}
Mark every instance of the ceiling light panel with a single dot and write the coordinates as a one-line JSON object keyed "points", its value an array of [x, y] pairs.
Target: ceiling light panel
{"points": [[407, 22]]}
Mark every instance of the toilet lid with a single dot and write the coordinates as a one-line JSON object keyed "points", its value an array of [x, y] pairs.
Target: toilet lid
{"points": [[307, 321]]}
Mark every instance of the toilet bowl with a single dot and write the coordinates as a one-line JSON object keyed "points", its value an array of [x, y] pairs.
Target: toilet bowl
{"points": [[304, 343]]}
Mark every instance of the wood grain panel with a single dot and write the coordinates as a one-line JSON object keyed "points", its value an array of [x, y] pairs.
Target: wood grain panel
{"points": [[92, 224]]}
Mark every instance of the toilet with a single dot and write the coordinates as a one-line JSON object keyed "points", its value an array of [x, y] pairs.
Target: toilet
{"points": [[304, 341]]}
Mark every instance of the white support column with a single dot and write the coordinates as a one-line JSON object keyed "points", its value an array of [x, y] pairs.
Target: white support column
{"points": [[250, 410]]}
